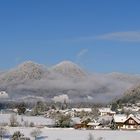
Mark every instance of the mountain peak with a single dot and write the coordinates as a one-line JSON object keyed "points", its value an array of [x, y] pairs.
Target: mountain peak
{"points": [[67, 64], [28, 64], [69, 69], [25, 71]]}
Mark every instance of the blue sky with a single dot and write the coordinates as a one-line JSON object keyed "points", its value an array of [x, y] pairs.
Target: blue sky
{"points": [[99, 35]]}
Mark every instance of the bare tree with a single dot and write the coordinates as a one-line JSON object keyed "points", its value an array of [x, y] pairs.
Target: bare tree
{"points": [[13, 120], [3, 132], [35, 133]]}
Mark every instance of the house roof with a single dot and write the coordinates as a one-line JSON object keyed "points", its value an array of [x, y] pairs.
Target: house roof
{"points": [[106, 110], [119, 118], [134, 118], [76, 120], [93, 124], [124, 118], [82, 109]]}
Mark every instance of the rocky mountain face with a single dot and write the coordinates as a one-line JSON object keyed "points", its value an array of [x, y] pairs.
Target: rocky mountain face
{"points": [[64, 80]]}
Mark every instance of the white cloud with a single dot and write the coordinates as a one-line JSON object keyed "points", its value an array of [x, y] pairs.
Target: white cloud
{"points": [[132, 36], [126, 36], [82, 53]]}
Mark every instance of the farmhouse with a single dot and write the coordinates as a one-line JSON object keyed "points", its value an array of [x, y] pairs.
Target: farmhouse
{"points": [[78, 124], [106, 111], [94, 125], [126, 123], [82, 109]]}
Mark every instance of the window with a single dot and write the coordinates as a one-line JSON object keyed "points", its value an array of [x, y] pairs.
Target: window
{"points": [[131, 121]]}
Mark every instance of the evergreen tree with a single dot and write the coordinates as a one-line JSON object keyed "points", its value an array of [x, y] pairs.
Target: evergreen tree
{"points": [[17, 135], [21, 108]]}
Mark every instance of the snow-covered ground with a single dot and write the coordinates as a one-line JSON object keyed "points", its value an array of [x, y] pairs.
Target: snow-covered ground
{"points": [[37, 120], [71, 134]]}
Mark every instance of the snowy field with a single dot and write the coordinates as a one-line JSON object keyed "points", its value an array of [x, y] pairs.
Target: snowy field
{"points": [[70, 134]]}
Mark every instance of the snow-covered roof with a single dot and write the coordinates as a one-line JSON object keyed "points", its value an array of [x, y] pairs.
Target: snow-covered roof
{"points": [[106, 110], [82, 109], [134, 118], [76, 120], [123, 118], [93, 124], [119, 118]]}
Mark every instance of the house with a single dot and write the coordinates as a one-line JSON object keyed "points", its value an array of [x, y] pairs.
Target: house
{"points": [[106, 111], [78, 123], [105, 120], [77, 111], [127, 123], [80, 126], [81, 109], [94, 125]]}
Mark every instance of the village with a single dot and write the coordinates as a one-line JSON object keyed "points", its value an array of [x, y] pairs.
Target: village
{"points": [[38, 120], [108, 117]]}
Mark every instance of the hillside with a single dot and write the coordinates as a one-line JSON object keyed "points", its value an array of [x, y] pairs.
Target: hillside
{"points": [[132, 95]]}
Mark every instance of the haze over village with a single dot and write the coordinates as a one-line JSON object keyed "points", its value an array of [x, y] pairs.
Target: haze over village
{"points": [[69, 70]]}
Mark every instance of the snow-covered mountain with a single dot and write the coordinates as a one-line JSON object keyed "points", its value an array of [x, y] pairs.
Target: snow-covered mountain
{"points": [[66, 78], [69, 69], [24, 72]]}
